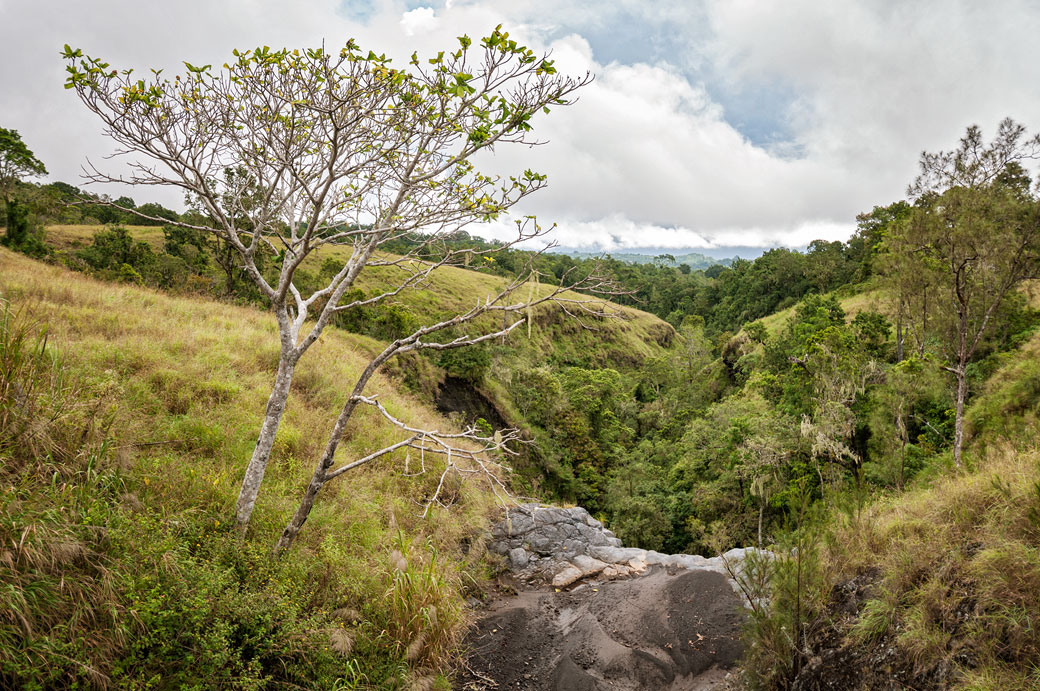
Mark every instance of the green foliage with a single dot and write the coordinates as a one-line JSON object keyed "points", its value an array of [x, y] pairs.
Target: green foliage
{"points": [[23, 235], [467, 363], [907, 416], [972, 237], [221, 615], [114, 248], [188, 245], [786, 591], [16, 162], [738, 460]]}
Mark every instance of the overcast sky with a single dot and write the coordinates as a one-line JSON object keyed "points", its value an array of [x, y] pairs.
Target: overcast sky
{"points": [[710, 123]]}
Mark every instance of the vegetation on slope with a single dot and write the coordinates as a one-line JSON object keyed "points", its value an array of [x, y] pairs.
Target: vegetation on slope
{"points": [[693, 438], [127, 416]]}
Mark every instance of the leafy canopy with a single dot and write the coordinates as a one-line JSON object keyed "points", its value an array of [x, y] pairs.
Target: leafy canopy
{"points": [[16, 161]]}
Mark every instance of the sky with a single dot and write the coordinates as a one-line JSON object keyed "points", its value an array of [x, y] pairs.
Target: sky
{"points": [[709, 124]]}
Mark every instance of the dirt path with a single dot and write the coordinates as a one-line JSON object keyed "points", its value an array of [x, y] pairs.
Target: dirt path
{"points": [[668, 631]]}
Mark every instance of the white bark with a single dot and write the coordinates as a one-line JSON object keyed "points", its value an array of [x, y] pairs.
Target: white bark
{"points": [[337, 149], [254, 475]]}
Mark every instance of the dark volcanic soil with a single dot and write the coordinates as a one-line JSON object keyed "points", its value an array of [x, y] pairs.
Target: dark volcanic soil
{"points": [[667, 631]]}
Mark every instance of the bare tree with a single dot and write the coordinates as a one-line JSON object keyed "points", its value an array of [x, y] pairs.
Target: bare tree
{"points": [[971, 239], [348, 151]]}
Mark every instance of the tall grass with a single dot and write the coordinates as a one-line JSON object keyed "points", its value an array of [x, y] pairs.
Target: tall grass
{"points": [[118, 563], [60, 613]]}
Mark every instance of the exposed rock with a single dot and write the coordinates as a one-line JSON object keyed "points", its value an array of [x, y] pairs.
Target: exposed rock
{"points": [[518, 557], [615, 617], [566, 575], [670, 632], [562, 546]]}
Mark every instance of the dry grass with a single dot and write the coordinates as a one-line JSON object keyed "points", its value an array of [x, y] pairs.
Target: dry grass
{"points": [[67, 237], [960, 570], [189, 379]]}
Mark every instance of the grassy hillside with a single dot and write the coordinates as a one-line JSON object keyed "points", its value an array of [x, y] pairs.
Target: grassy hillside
{"points": [[937, 586], [69, 237], [486, 382], [119, 562], [625, 340], [867, 298]]}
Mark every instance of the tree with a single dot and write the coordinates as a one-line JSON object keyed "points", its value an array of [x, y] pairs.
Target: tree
{"points": [[825, 264], [842, 367], [350, 152], [16, 162], [971, 238]]}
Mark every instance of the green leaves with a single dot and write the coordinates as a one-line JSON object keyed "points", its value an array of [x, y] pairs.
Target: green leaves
{"points": [[16, 160], [461, 87]]}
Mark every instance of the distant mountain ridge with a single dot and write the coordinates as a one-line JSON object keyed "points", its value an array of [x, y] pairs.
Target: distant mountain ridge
{"points": [[694, 260]]}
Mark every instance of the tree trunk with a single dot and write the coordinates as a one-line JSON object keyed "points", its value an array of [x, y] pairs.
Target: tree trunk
{"points": [[900, 333], [901, 426], [924, 322], [902, 463], [303, 511], [262, 452], [958, 425], [761, 510], [318, 479], [228, 264]]}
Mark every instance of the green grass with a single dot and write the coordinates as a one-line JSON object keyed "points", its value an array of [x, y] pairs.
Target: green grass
{"points": [[959, 571], [66, 237], [625, 341], [870, 298], [125, 568]]}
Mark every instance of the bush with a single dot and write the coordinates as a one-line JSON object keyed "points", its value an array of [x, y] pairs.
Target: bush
{"points": [[22, 234], [471, 363], [113, 248]]}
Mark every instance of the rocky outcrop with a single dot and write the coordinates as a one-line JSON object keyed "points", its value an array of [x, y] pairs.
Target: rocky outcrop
{"points": [[615, 619], [562, 546]]}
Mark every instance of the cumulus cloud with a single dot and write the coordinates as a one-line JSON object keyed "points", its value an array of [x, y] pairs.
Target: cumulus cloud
{"points": [[418, 20], [657, 150]]}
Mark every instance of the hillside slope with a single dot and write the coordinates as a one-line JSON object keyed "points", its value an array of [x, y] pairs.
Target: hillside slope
{"points": [[623, 341], [517, 382], [119, 561], [939, 587]]}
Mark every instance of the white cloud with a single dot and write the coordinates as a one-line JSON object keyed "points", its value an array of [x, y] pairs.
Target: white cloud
{"points": [[419, 20], [647, 153]]}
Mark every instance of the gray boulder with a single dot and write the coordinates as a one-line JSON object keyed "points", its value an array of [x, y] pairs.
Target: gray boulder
{"points": [[566, 545]]}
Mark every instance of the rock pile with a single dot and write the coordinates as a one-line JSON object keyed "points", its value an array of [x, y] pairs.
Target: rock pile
{"points": [[562, 546]]}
